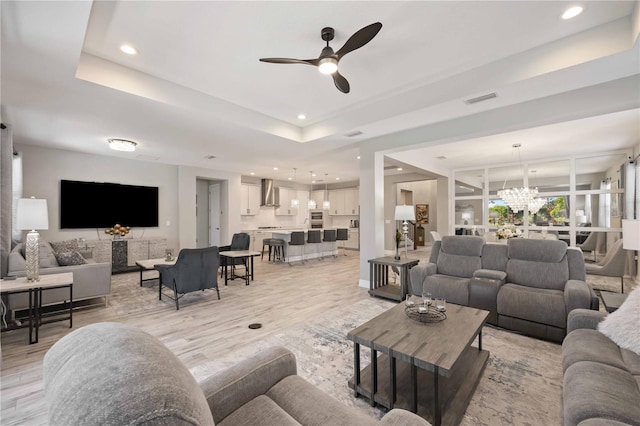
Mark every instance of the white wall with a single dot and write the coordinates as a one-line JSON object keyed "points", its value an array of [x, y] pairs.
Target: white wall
{"points": [[202, 213], [43, 168]]}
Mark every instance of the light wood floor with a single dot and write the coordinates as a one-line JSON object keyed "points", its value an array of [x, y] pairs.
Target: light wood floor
{"points": [[281, 296]]}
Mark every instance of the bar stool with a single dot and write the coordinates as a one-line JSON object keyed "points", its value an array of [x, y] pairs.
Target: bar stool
{"points": [[342, 235], [313, 237], [297, 239], [330, 236], [265, 242], [278, 249]]}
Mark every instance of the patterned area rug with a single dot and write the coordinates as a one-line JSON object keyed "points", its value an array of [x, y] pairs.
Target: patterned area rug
{"points": [[521, 385]]}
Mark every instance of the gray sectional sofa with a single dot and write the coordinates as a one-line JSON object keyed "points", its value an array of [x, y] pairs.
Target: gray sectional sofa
{"points": [[601, 379], [527, 285], [90, 280], [116, 374]]}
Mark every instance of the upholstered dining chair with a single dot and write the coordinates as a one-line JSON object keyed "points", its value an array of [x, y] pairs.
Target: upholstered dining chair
{"points": [[195, 269], [612, 265], [239, 241], [593, 243]]}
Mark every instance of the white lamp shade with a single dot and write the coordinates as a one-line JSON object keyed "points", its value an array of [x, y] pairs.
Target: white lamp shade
{"points": [[581, 219], [405, 213], [32, 214], [631, 234]]}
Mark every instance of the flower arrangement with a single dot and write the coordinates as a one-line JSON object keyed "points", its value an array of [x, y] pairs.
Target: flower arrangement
{"points": [[508, 231]]}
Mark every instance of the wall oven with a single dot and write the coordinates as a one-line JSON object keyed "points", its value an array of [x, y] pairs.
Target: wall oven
{"points": [[316, 219]]}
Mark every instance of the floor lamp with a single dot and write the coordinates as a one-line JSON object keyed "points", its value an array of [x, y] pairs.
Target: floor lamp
{"points": [[405, 213], [31, 214]]}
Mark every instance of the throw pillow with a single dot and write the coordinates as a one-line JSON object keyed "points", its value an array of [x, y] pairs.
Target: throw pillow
{"points": [[69, 258], [64, 246], [623, 325], [47, 258]]}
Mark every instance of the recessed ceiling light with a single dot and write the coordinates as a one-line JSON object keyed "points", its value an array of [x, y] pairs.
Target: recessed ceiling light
{"points": [[313, 174], [128, 49], [122, 145], [337, 178], [252, 173], [358, 157], [572, 12], [275, 168], [399, 169], [313, 181], [289, 178], [301, 116]]}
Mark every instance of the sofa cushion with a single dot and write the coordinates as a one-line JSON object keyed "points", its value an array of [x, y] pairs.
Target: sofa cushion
{"points": [[532, 304], [308, 405], [458, 265], [259, 411], [590, 345], [463, 245], [453, 289], [68, 258], [547, 251], [544, 275], [494, 256], [595, 390], [47, 256], [147, 385], [623, 325], [63, 246]]}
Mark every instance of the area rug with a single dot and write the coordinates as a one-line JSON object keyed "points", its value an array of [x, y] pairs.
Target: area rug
{"points": [[521, 385]]}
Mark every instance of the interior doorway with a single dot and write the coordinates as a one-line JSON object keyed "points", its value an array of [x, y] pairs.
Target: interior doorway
{"points": [[208, 211]]}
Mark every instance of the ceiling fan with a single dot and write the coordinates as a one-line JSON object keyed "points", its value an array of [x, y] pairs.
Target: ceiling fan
{"points": [[327, 63]]}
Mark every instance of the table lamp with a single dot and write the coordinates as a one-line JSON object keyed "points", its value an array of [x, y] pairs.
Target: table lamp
{"points": [[631, 234], [405, 213], [32, 214]]}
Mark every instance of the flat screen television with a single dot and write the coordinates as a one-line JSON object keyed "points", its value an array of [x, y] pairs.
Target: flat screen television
{"points": [[102, 205]]}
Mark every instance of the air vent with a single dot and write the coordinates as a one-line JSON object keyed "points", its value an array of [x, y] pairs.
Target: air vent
{"points": [[481, 98], [390, 167], [354, 133], [209, 157], [442, 157]]}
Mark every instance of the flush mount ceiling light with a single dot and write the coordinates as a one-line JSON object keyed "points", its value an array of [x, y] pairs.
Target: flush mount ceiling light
{"points": [[128, 49], [122, 145], [572, 12], [301, 117]]}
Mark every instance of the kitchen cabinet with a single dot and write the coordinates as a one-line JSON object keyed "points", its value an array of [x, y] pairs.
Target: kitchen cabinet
{"points": [[286, 195], [249, 200], [352, 201], [344, 202], [354, 239], [318, 197]]}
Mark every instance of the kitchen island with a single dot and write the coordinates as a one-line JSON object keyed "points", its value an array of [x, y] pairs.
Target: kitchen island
{"points": [[311, 251]]}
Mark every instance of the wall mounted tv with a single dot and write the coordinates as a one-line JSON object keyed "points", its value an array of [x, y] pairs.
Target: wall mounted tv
{"points": [[102, 205]]}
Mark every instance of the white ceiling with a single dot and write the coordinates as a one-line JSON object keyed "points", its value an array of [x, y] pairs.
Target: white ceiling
{"points": [[196, 88]]}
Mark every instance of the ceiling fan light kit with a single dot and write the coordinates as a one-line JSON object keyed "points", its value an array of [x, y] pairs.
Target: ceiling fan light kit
{"points": [[328, 61]]}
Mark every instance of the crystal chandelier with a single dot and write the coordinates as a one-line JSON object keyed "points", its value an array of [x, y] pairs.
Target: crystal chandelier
{"points": [[519, 198]]}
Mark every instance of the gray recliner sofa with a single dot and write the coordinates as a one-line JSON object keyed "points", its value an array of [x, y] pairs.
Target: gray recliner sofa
{"points": [[116, 374], [527, 285], [601, 379]]}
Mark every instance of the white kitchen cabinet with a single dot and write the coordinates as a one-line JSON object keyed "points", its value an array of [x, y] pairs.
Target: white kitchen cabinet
{"points": [[336, 198], [344, 202], [352, 201], [249, 200], [286, 195], [318, 197], [258, 236], [354, 239]]}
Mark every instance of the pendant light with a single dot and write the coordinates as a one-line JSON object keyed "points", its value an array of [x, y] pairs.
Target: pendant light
{"points": [[518, 198], [295, 203], [326, 205], [312, 202]]}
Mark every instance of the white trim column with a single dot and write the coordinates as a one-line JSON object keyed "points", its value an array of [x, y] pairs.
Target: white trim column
{"points": [[371, 210]]}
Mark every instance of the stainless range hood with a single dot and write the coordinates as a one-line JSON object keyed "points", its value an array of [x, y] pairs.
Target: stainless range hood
{"points": [[269, 194]]}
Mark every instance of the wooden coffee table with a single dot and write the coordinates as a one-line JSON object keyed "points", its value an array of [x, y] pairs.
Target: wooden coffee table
{"points": [[428, 368]]}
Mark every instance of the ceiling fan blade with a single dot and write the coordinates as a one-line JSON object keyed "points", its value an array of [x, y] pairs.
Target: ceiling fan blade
{"points": [[341, 83], [359, 39], [290, 61]]}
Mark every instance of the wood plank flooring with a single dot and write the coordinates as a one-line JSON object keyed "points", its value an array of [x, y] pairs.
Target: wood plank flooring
{"points": [[280, 297]]}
